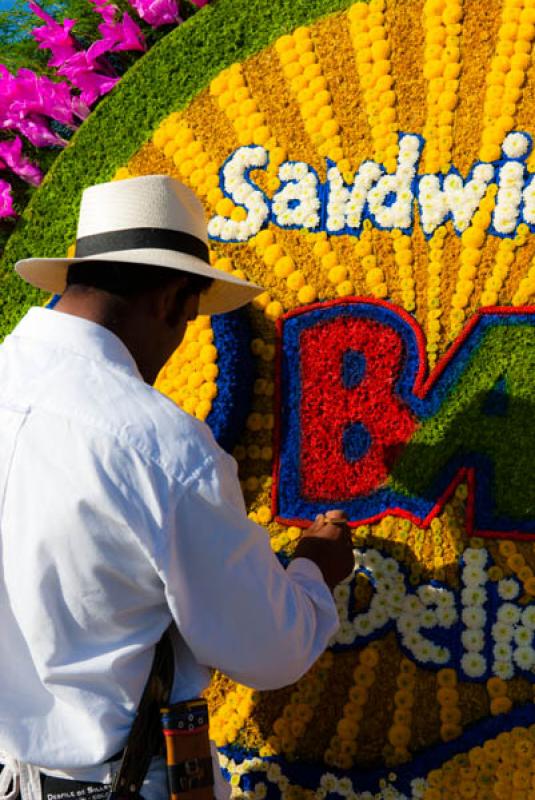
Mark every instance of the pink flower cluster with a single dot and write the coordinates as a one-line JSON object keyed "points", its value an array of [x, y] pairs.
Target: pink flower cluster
{"points": [[157, 12], [29, 103], [88, 70], [161, 12]]}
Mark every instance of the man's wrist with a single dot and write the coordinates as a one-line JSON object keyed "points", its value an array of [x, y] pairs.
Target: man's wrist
{"points": [[319, 551]]}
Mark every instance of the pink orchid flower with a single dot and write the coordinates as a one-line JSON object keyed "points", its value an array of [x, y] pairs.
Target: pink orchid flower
{"points": [[157, 12], [107, 10], [11, 158], [54, 36], [80, 72], [27, 99], [200, 3], [117, 34], [6, 201]]}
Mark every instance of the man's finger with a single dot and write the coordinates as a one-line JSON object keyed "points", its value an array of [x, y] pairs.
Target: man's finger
{"points": [[335, 514]]}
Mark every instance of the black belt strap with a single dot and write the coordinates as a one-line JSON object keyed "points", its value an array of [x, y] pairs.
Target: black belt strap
{"points": [[145, 739]]}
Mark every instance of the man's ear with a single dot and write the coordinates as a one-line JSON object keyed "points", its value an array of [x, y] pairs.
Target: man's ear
{"points": [[169, 301]]}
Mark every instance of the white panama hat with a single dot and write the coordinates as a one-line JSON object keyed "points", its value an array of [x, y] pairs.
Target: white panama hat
{"points": [[152, 220]]}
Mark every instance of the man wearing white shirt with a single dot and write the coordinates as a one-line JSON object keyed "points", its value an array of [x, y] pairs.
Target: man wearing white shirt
{"points": [[120, 514]]}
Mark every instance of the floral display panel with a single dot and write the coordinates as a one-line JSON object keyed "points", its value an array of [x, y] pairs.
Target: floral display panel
{"points": [[371, 165]]}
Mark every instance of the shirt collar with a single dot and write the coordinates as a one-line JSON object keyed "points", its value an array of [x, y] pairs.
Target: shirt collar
{"points": [[77, 335]]}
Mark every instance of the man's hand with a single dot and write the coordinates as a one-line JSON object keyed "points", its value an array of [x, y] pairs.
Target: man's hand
{"points": [[328, 543]]}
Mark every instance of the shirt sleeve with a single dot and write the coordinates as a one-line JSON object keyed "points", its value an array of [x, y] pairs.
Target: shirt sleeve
{"points": [[234, 604]]}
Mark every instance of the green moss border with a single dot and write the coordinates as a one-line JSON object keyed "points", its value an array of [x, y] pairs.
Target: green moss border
{"points": [[165, 80]]}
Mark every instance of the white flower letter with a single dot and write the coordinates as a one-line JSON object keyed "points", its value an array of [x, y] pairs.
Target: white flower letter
{"points": [[397, 187], [236, 185], [345, 204], [297, 203]]}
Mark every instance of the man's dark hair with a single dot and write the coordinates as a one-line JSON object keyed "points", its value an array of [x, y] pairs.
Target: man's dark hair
{"points": [[130, 280]]}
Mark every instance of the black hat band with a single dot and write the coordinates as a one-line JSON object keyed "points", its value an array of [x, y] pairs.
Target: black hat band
{"points": [[139, 239]]}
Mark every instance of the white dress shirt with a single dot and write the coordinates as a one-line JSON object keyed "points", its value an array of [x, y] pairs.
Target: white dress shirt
{"points": [[120, 514]]}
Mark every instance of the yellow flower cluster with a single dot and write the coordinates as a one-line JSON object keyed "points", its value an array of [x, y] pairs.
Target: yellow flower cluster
{"points": [[235, 99], [507, 74], [328, 261], [403, 256], [442, 67], [304, 75], [288, 536], [406, 544], [502, 265], [297, 714], [399, 735], [372, 52], [473, 241], [497, 691], [232, 714], [374, 275], [343, 745], [437, 538], [121, 174], [189, 377], [448, 701], [285, 270], [255, 484], [225, 265], [434, 303], [502, 768], [516, 563], [526, 288], [195, 166]]}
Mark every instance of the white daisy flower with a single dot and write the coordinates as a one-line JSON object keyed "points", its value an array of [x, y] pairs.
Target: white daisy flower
{"points": [[446, 617], [473, 575], [411, 641], [445, 599], [412, 605], [345, 787], [523, 636], [475, 557], [378, 617], [484, 173], [418, 788], [429, 594], [328, 781], [474, 596], [524, 657], [424, 651], [502, 632], [528, 617], [473, 640], [428, 619], [391, 567], [502, 651], [503, 670], [473, 617], [407, 624], [341, 592], [508, 588], [473, 665], [508, 613], [362, 625]]}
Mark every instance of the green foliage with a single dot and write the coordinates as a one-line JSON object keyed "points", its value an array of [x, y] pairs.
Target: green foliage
{"points": [[465, 424], [164, 80]]}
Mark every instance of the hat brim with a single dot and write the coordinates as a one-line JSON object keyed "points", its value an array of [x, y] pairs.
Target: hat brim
{"points": [[227, 292]]}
